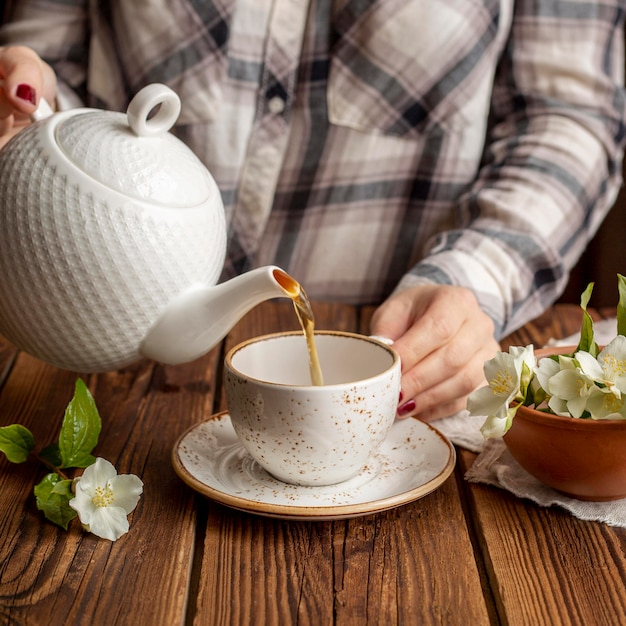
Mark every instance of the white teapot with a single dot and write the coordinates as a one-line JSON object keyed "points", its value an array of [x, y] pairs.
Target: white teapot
{"points": [[112, 238]]}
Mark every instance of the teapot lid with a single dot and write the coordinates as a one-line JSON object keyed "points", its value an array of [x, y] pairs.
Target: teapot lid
{"points": [[134, 153]]}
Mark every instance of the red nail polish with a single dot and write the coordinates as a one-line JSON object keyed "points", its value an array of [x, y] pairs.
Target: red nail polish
{"points": [[400, 397], [407, 407], [26, 92]]}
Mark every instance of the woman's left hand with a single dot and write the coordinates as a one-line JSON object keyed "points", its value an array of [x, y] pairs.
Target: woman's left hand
{"points": [[443, 338]]}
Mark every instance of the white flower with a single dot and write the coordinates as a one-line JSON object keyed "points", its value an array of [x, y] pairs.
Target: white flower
{"points": [[545, 370], [579, 386], [604, 405], [494, 426], [610, 367], [586, 383], [508, 376], [505, 382], [103, 499], [570, 387]]}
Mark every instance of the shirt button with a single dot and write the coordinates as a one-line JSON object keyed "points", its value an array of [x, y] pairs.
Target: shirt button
{"points": [[276, 105]]}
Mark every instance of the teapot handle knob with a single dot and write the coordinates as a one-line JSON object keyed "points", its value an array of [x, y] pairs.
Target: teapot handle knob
{"points": [[144, 102]]}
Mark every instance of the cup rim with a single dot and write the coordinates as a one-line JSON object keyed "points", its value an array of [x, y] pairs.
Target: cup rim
{"points": [[228, 364]]}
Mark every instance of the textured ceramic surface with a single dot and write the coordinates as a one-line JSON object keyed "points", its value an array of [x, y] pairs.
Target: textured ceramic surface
{"points": [[99, 229], [582, 458], [412, 462], [304, 434]]}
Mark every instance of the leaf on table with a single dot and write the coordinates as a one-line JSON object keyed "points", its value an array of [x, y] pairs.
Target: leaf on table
{"points": [[53, 494], [52, 455], [17, 442], [80, 429]]}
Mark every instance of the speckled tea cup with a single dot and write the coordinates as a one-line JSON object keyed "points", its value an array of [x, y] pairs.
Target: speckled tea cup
{"points": [[306, 434]]}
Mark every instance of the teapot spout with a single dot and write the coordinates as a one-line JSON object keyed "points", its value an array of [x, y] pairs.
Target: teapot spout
{"points": [[200, 317]]}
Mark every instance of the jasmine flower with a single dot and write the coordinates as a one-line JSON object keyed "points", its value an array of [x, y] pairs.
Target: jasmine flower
{"points": [[103, 499]]}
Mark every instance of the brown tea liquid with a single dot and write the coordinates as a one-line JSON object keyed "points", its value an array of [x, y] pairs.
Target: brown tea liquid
{"points": [[305, 316]]}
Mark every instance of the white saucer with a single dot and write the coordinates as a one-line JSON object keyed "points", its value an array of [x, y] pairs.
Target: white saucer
{"points": [[413, 461]]}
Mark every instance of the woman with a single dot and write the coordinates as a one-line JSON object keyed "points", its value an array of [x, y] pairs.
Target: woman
{"points": [[447, 162]]}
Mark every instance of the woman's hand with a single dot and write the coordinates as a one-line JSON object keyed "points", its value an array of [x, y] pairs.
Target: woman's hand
{"points": [[24, 78], [443, 338]]}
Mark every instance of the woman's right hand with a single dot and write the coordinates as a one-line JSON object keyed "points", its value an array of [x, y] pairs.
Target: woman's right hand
{"points": [[24, 79]]}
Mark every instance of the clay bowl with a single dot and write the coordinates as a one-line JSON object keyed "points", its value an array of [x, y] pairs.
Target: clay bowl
{"points": [[582, 458]]}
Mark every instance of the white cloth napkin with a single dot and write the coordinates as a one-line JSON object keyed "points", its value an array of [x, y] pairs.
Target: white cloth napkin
{"points": [[495, 465]]}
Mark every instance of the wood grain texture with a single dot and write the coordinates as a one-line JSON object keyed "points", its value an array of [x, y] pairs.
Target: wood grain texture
{"points": [[465, 554], [49, 576]]}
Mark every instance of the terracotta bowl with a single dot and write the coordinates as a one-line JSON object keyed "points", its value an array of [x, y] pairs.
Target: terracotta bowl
{"points": [[583, 458]]}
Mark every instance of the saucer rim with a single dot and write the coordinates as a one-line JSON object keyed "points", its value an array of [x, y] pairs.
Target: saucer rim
{"points": [[308, 512]]}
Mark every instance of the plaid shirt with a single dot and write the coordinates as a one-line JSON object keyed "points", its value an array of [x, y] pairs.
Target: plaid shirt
{"points": [[370, 145]]}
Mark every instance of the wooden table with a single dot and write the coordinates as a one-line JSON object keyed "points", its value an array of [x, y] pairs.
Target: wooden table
{"points": [[465, 554]]}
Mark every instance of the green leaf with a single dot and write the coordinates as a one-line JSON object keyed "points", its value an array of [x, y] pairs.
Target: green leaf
{"points": [[53, 495], [52, 455], [526, 376], [80, 429], [17, 442], [621, 305], [63, 488], [587, 342], [540, 396]]}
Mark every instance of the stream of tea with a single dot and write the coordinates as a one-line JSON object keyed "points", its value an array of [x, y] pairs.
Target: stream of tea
{"points": [[304, 313]]}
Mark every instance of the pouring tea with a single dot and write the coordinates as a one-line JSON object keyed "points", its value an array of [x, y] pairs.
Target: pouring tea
{"points": [[112, 240]]}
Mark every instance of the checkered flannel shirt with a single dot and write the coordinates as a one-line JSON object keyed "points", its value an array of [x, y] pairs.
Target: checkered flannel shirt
{"points": [[369, 145]]}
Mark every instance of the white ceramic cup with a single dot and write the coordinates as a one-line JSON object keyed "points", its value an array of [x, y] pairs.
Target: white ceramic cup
{"points": [[305, 434]]}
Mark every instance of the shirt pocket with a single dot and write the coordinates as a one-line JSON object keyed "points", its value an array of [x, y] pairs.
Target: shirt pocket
{"points": [[402, 67]]}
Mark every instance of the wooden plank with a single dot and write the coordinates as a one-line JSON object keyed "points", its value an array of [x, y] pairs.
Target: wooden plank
{"points": [[473, 592], [545, 566], [411, 565], [49, 576], [414, 564]]}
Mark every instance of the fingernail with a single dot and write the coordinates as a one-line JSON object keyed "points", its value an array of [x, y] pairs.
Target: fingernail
{"points": [[400, 396], [26, 92], [407, 407]]}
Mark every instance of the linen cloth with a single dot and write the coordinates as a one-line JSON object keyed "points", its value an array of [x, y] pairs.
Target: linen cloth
{"points": [[373, 145], [495, 465]]}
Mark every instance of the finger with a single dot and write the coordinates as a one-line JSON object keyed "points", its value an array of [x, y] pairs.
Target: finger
{"points": [[450, 391], [465, 353], [441, 323], [6, 123], [6, 108], [22, 74], [392, 318], [19, 99], [441, 411], [444, 391]]}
